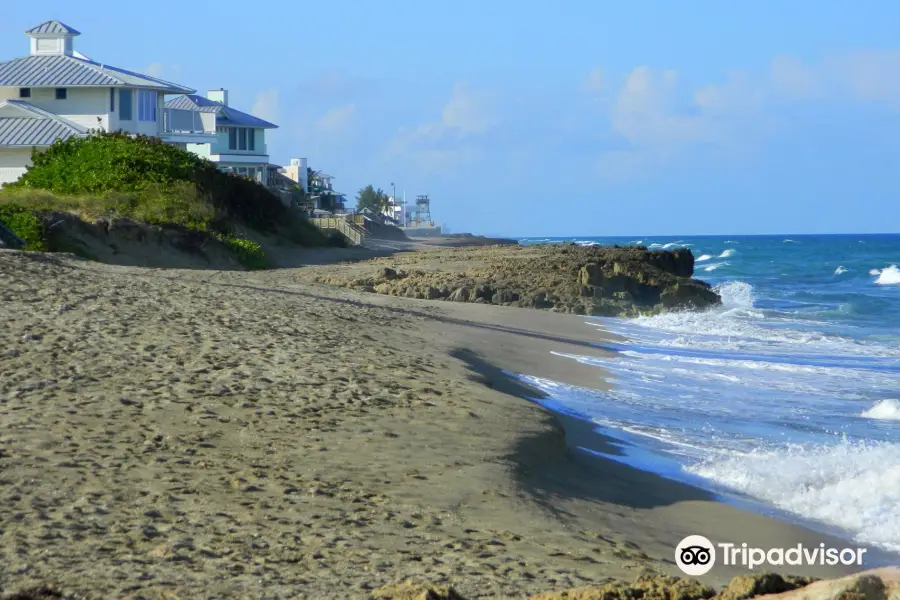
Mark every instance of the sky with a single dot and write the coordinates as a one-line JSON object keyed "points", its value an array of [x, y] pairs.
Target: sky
{"points": [[525, 118]]}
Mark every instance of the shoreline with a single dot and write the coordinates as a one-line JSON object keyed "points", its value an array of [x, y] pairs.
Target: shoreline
{"points": [[696, 509], [260, 444]]}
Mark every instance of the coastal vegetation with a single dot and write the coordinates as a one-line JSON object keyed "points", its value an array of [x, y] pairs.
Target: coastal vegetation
{"points": [[373, 199], [117, 176], [25, 224]]}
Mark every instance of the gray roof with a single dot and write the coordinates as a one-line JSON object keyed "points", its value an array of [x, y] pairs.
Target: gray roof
{"points": [[225, 115], [53, 27], [70, 71], [33, 126]]}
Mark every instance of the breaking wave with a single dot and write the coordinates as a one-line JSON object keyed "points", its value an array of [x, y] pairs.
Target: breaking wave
{"points": [[889, 276], [885, 410]]}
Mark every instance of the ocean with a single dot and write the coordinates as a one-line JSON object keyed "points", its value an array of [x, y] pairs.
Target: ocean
{"points": [[787, 398]]}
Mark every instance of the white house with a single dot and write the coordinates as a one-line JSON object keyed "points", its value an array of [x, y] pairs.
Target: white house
{"points": [[56, 92], [298, 172], [239, 144], [397, 210]]}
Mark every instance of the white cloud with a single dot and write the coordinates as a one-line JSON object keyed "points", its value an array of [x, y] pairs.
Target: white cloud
{"points": [[740, 96], [448, 143], [266, 106], [336, 121], [647, 114], [868, 75], [662, 122], [858, 76], [162, 71], [793, 80], [466, 112]]}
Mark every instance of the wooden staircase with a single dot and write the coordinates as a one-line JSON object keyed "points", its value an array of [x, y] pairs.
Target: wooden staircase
{"points": [[354, 234]]}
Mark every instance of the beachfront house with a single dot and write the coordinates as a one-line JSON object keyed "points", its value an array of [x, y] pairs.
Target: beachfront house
{"points": [[56, 92], [321, 191], [239, 138], [298, 171], [397, 211]]}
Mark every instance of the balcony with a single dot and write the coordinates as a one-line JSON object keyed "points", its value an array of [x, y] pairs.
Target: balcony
{"points": [[185, 127]]}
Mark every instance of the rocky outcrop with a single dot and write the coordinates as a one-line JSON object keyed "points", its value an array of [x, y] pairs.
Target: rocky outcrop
{"points": [[878, 584], [603, 281], [408, 590]]}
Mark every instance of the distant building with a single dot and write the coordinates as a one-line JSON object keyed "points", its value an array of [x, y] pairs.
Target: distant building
{"points": [[239, 139], [397, 211], [298, 172], [56, 93], [323, 195]]}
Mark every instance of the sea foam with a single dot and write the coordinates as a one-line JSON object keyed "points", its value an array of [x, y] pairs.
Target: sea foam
{"points": [[885, 410], [853, 485], [727, 253], [714, 266], [840, 270], [703, 258], [889, 276]]}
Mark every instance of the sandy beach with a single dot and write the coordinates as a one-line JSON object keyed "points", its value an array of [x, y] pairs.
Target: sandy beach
{"points": [[185, 433]]}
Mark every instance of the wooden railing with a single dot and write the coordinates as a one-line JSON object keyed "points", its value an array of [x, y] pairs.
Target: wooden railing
{"points": [[352, 232]]}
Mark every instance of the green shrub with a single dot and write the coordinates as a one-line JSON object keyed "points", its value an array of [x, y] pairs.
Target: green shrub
{"points": [[25, 224], [302, 232], [144, 178], [178, 205], [248, 253]]}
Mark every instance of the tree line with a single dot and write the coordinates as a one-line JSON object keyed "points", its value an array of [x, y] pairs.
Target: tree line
{"points": [[375, 200]]}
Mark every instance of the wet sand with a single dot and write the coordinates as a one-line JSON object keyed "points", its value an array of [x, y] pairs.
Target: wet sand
{"points": [[215, 434]]}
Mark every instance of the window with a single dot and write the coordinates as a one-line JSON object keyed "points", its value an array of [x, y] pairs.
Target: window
{"points": [[251, 139], [146, 105], [125, 106], [24, 92], [47, 45], [242, 138], [232, 138], [112, 99], [60, 93]]}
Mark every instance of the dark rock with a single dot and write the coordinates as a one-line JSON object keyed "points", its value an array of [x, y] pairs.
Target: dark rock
{"points": [[483, 292], [10, 240], [460, 294], [597, 280], [504, 297]]}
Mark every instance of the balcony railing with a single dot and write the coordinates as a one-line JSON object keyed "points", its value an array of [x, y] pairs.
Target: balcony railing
{"points": [[176, 120]]}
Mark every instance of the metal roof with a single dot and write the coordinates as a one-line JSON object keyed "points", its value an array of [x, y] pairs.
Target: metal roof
{"points": [[225, 115], [53, 27], [33, 126], [70, 71], [195, 102]]}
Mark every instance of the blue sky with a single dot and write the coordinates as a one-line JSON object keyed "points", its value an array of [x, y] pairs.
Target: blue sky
{"points": [[531, 118]]}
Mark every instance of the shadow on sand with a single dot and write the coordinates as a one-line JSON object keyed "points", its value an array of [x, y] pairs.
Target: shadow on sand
{"points": [[552, 467]]}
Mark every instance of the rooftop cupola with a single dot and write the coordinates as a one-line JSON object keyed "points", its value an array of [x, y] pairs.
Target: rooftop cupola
{"points": [[52, 38]]}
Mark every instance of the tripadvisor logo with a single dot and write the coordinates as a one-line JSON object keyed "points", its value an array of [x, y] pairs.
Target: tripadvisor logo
{"points": [[695, 555]]}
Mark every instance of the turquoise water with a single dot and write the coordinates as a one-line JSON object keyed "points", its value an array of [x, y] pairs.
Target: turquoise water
{"points": [[789, 394]]}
